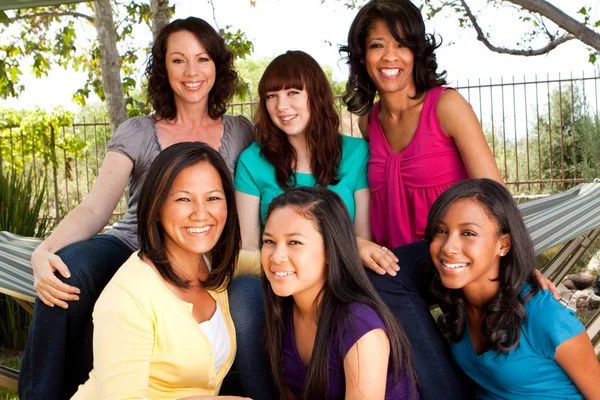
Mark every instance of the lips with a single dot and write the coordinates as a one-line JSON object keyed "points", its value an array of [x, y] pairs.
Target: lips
{"points": [[200, 229], [192, 85], [288, 118], [390, 72]]}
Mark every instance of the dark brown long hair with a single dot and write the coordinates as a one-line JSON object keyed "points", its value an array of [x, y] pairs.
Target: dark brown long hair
{"points": [[360, 89], [347, 283], [156, 187], [160, 93], [505, 312], [298, 70]]}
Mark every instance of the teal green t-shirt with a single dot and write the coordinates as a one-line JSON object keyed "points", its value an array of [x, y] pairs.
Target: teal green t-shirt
{"points": [[256, 176]]}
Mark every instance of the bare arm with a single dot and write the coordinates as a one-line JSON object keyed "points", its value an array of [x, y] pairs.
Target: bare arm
{"points": [[366, 367], [458, 121], [576, 356], [371, 253], [363, 125], [84, 221], [249, 214]]}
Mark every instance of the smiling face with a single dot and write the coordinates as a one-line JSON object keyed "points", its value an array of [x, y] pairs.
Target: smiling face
{"points": [[190, 69], [293, 254], [194, 213], [289, 110], [388, 63], [466, 247]]}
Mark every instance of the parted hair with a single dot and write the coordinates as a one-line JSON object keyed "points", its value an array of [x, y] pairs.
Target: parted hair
{"points": [[155, 190], [346, 283], [505, 312], [160, 93], [298, 70], [397, 14]]}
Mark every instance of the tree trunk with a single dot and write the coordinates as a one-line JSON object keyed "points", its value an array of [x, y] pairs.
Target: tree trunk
{"points": [[160, 15], [110, 63], [569, 24]]}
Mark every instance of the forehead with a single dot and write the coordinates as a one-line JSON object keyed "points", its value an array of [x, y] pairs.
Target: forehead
{"points": [[202, 176], [466, 210], [184, 40], [289, 219], [379, 27]]}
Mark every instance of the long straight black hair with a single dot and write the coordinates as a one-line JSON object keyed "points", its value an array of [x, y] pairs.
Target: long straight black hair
{"points": [[505, 312], [346, 283]]}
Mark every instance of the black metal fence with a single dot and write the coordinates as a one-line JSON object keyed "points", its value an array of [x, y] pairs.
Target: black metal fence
{"points": [[544, 134]]}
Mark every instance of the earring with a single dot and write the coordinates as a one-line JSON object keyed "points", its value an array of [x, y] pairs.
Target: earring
{"points": [[501, 254]]}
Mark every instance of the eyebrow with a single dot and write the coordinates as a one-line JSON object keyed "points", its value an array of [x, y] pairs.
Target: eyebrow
{"points": [[461, 225], [178, 52], [188, 192], [265, 233]]}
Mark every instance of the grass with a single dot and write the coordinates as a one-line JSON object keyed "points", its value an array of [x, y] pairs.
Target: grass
{"points": [[12, 359]]}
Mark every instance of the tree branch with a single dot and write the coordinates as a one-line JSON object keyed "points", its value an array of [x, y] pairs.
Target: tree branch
{"points": [[214, 14], [566, 22], [53, 14], [481, 36]]}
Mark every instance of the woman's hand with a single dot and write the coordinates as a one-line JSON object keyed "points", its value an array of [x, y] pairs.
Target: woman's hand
{"points": [[51, 290], [546, 284], [377, 258]]}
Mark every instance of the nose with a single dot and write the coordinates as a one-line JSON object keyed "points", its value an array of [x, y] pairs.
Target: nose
{"points": [[279, 255], [391, 53], [199, 211], [451, 245], [191, 68], [282, 103]]}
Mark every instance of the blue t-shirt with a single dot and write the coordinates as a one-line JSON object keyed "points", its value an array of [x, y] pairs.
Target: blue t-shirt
{"points": [[256, 176], [363, 319], [529, 370]]}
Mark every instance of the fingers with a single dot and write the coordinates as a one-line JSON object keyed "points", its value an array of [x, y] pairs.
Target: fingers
{"points": [[60, 266], [546, 284], [381, 262], [51, 300]]}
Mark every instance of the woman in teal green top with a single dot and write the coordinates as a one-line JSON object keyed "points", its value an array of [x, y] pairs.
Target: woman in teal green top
{"points": [[299, 144]]}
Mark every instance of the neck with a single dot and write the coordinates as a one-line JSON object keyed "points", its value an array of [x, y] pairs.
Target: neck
{"points": [[305, 305], [398, 102], [478, 294], [192, 115], [300, 147], [189, 266]]}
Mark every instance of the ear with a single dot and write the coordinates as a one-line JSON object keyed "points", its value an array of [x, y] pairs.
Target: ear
{"points": [[504, 244]]}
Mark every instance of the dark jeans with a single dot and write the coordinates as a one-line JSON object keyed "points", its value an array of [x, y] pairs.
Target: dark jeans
{"points": [[247, 311], [58, 356], [408, 297]]}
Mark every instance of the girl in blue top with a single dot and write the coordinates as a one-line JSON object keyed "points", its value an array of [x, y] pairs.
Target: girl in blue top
{"points": [[513, 339], [299, 144]]}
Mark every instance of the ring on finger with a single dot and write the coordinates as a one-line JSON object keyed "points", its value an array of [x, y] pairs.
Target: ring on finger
{"points": [[382, 249]]}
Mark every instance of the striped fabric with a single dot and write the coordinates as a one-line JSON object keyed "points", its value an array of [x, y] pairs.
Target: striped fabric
{"points": [[555, 219], [550, 221], [16, 274]]}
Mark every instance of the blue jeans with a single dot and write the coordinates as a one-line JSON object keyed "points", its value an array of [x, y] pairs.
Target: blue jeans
{"points": [[407, 295], [248, 314], [58, 356]]}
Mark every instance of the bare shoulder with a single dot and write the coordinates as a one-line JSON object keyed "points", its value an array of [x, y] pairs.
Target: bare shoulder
{"points": [[450, 100], [363, 125]]}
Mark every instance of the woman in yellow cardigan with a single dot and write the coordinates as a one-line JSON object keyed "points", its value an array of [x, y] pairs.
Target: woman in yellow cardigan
{"points": [[162, 327]]}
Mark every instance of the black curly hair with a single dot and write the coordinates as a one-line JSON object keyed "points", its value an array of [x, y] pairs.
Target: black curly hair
{"points": [[160, 93], [360, 89]]}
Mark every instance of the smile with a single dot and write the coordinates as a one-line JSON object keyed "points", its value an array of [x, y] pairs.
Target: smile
{"points": [[283, 274], [390, 72], [288, 118], [192, 85], [454, 265], [198, 230]]}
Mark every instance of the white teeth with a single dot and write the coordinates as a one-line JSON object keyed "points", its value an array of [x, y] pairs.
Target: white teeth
{"points": [[192, 85], [198, 230], [283, 273], [291, 117], [453, 266], [390, 72]]}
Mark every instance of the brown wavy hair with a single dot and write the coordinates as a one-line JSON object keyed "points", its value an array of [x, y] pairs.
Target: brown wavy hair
{"points": [[360, 89], [298, 70], [160, 93]]}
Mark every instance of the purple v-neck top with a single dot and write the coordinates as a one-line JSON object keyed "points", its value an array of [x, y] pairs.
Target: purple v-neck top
{"points": [[361, 320]]}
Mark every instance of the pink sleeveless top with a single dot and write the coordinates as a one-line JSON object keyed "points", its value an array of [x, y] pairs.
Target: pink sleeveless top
{"points": [[404, 185]]}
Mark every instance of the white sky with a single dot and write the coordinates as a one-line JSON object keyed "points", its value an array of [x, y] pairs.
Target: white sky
{"points": [[275, 26]]}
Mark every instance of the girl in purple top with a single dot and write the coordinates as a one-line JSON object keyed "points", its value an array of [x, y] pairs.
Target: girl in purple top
{"points": [[329, 336]]}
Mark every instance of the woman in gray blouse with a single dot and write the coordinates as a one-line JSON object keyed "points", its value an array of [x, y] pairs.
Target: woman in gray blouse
{"points": [[190, 82]]}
